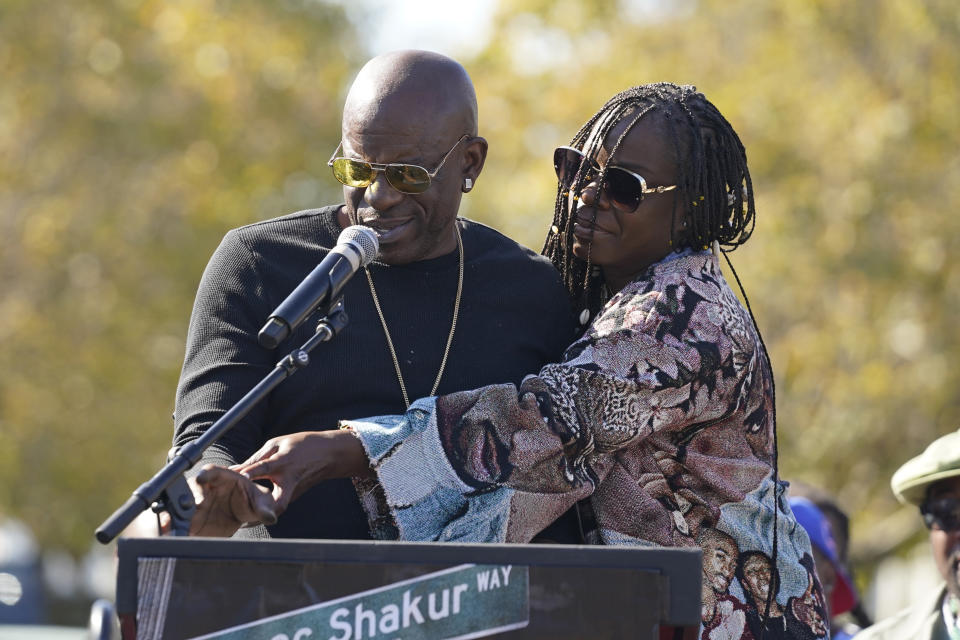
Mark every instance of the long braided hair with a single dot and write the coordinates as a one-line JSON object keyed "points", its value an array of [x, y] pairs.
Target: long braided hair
{"points": [[714, 188], [714, 182]]}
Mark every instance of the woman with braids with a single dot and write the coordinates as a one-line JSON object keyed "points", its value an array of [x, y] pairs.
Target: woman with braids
{"points": [[659, 426]]}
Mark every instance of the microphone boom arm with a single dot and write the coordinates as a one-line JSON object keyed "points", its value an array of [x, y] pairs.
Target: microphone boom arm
{"points": [[167, 490]]}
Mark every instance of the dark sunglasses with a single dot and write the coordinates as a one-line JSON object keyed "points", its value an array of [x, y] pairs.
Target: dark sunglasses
{"points": [[624, 189], [942, 514], [405, 178]]}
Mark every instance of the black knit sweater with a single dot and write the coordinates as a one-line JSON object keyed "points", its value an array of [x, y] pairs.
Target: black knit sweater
{"points": [[514, 317]]}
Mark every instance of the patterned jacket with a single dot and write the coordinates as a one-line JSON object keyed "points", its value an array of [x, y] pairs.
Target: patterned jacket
{"points": [[659, 422]]}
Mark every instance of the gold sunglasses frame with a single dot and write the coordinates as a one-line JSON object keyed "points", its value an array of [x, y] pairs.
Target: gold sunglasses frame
{"points": [[644, 189], [375, 167]]}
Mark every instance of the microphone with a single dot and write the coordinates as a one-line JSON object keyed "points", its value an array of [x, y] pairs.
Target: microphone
{"points": [[356, 247]]}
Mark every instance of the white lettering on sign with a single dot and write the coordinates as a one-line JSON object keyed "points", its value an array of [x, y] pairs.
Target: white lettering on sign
{"points": [[490, 579], [336, 622], [364, 623], [457, 590], [432, 602], [443, 611], [411, 608], [359, 616], [389, 618]]}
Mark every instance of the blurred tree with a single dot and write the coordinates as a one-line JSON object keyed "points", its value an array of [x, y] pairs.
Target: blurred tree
{"points": [[132, 135], [849, 115]]}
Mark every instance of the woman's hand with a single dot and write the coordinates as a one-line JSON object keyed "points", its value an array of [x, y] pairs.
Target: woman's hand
{"points": [[296, 462], [226, 501]]}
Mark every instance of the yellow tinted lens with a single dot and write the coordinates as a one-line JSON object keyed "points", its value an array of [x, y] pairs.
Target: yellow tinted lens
{"points": [[352, 172], [407, 178]]}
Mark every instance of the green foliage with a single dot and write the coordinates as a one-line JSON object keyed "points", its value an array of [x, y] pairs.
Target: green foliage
{"points": [[134, 133], [849, 115]]}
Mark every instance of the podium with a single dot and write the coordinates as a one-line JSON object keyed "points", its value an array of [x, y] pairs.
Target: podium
{"points": [[177, 588]]}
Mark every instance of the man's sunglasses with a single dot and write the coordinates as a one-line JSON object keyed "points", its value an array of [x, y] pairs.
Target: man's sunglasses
{"points": [[942, 514], [405, 178], [624, 189]]}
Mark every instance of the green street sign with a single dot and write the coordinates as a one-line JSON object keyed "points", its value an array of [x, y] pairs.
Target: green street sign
{"points": [[467, 601]]}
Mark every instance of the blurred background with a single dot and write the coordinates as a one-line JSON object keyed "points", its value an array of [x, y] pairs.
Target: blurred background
{"points": [[134, 133]]}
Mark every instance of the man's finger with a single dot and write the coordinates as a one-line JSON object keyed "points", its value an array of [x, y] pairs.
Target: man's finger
{"points": [[255, 470], [265, 514], [261, 503], [211, 475]]}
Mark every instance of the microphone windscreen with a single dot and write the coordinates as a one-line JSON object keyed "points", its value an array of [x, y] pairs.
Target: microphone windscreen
{"points": [[364, 238]]}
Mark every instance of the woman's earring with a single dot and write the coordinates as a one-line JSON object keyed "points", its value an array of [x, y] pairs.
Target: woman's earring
{"points": [[467, 184]]}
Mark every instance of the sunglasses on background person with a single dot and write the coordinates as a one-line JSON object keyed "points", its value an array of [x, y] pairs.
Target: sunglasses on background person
{"points": [[942, 514], [405, 178], [624, 189]]}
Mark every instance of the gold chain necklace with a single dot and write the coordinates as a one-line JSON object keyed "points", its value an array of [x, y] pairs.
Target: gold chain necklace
{"points": [[453, 326]]}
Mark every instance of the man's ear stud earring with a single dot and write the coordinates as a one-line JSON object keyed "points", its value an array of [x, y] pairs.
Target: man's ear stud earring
{"points": [[467, 184]]}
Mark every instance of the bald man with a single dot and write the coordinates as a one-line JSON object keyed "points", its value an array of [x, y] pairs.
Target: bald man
{"points": [[444, 289]]}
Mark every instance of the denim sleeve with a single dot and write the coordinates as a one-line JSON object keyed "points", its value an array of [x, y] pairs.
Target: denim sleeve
{"points": [[423, 494]]}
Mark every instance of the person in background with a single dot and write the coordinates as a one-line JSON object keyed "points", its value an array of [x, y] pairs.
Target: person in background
{"points": [[856, 618], [450, 304], [838, 589], [931, 482]]}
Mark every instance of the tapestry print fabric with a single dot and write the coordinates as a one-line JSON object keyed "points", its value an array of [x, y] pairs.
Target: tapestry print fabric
{"points": [[658, 426]]}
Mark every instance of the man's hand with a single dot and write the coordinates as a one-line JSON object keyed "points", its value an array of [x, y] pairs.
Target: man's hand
{"points": [[296, 462], [226, 500]]}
